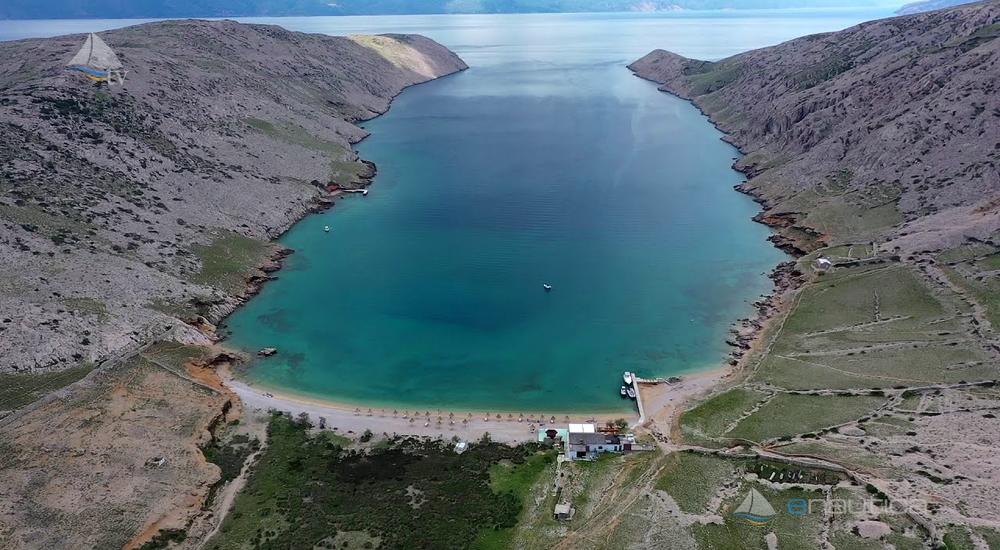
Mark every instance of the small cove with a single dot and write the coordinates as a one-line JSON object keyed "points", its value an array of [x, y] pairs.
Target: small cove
{"points": [[540, 164]]}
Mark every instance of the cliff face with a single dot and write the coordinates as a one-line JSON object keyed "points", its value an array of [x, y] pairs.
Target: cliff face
{"points": [[124, 210], [887, 131]]}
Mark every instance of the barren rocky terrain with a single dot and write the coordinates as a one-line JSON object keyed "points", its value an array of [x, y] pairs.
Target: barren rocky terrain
{"points": [[878, 149], [888, 131], [131, 219], [125, 210]]}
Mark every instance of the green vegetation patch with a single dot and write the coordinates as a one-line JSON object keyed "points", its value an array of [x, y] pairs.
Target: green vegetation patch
{"points": [[18, 390], [854, 296], [408, 493], [958, 538], [873, 327], [229, 261], [984, 290], [793, 532], [692, 479], [707, 77], [789, 414], [515, 479], [853, 456], [712, 418], [228, 451], [174, 355], [87, 306], [967, 251]]}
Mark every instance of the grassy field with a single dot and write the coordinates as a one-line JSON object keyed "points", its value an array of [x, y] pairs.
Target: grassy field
{"points": [[692, 479], [874, 327], [229, 260], [18, 390], [733, 534], [984, 289], [788, 414], [310, 491], [709, 420]]}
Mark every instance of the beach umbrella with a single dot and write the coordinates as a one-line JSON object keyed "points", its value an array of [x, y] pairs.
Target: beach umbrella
{"points": [[465, 421], [394, 413], [411, 421]]}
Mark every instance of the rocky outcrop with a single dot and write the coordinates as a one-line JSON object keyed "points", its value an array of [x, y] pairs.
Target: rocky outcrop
{"points": [[888, 131], [225, 134]]}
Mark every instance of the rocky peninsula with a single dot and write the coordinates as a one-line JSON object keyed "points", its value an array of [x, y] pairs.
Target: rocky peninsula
{"points": [[129, 210]]}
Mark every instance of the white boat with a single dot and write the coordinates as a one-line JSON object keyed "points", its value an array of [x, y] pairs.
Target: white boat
{"points": [[628, 378], [624, 391], [364, 193], [326, 228], [631, 393], [547, 287]]}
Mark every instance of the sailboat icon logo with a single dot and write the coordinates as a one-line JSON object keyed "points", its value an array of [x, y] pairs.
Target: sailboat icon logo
{"points": [[755, 509]]}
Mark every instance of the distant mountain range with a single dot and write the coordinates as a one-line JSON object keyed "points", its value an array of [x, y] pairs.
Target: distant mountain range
{"points": [[930, 5], [74, 9]]}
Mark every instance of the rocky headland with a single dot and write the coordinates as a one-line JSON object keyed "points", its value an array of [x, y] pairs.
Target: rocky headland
{"points": [[874, 153], [884, 132], [128, 210]]}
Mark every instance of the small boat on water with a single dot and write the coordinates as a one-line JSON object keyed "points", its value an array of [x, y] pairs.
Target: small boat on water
{"points": [[364, 193], [628, 378], [624, 391], [326, 228], [630, 392], [547, 287]]}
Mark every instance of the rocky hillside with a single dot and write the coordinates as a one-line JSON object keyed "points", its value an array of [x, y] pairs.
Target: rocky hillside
{"points": [[888, 131], [125, 211]]}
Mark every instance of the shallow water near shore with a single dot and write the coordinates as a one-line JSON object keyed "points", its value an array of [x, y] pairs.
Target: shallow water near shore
{"points": [[546, 162]]}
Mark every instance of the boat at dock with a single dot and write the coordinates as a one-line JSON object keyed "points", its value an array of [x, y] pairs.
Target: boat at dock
{"points": [[624, 391], [628, 378], [630, 392]]}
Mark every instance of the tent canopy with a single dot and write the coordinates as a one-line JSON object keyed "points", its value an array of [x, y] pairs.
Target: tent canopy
{"points": [[96, 54]]}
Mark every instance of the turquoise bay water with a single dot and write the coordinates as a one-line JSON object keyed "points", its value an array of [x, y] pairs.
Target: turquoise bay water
{"points": [[545, 162]]}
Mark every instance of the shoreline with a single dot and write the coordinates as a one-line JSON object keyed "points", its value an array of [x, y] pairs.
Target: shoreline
{"points": [[662, 399], [662, 402]]}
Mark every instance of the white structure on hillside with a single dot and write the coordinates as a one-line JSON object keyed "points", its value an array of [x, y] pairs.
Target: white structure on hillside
{"points": [[823, 264], [585, 442], [98, 62]]}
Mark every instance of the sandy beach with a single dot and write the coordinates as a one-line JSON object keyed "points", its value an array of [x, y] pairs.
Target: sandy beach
{"points": [[660, 403]]}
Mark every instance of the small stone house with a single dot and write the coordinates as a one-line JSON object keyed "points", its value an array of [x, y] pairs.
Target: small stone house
{"points": [[585, 442]]}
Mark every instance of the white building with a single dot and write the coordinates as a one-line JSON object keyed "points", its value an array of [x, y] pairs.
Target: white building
{"points": [[585, 442]]}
